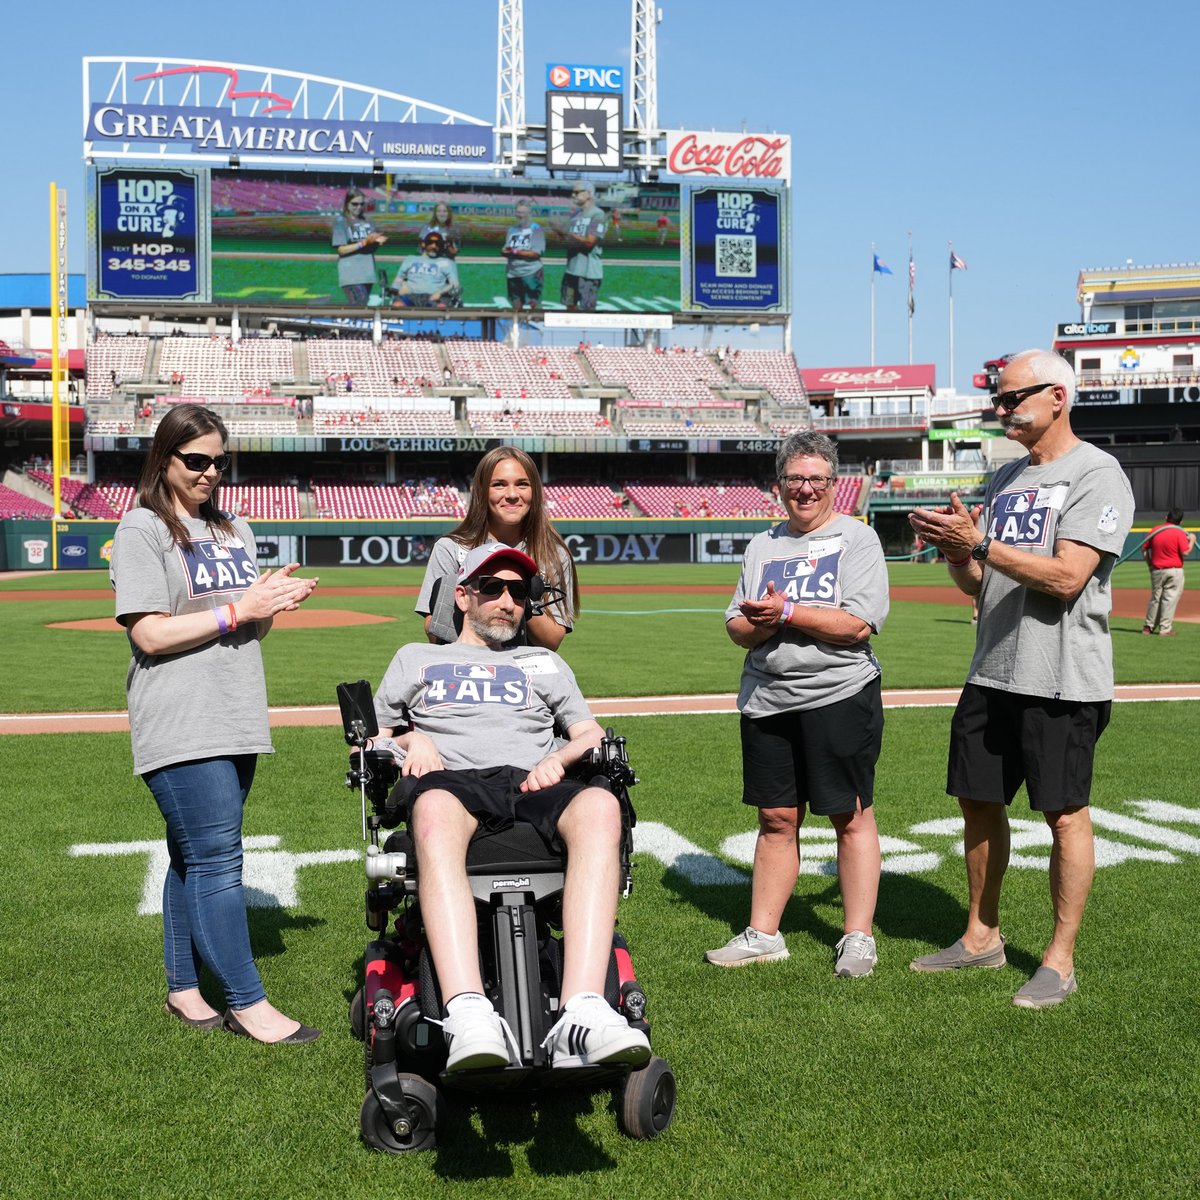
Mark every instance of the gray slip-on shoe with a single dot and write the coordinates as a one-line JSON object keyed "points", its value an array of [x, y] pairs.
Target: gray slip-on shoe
{"points": [[1046, 989], [955, 957]]}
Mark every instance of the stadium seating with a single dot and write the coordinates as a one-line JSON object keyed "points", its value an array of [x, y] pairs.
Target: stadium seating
{"points": [[428, 417], [681, 378], [357, 367], [385, 501], [124, 356], [16, 504], [216, 366], [568, 501], [261, 501], [774, 370], [702, 500], [546, 372], [85, 498]]}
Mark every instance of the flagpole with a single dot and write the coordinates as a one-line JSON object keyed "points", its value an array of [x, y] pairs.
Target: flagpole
{"points": [[873, 274], [910, 297], [950, 262]]}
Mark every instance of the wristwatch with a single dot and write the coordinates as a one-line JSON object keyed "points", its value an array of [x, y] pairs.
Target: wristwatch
{"points": [[979, 551]]}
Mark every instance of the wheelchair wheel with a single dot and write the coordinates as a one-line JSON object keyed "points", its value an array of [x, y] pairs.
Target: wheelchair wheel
{"points": [[358, 1014], [428, 1111], [648, 1100]]}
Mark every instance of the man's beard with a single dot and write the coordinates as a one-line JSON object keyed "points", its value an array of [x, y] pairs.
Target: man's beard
{"points": [[1016, 421], [495, 630]]}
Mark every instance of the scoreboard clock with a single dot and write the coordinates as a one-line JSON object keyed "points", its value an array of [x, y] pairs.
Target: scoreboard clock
{"points": [[583, 131]]}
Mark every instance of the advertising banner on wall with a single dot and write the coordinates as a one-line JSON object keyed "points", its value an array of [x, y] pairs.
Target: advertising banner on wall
{"points": [[222, 133], [272, 237], [148, 235], [736, 244], [743, 157]]}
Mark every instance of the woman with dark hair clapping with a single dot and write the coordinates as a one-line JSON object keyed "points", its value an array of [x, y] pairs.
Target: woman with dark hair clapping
{"points": [[195, 608]]}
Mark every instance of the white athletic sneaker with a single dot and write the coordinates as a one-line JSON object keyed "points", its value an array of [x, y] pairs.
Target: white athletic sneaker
{"points": [[855, 955], [476, 1037], [591, 1032], [747, 947]]}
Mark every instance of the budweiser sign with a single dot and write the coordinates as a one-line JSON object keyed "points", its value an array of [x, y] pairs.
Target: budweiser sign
{"points": [[730, 155]]}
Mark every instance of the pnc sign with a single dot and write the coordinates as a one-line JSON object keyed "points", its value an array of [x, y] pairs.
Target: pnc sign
{"points": [[572, 77]]}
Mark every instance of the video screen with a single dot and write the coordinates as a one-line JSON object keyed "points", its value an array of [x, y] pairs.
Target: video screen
{"points": [[327, 239]]}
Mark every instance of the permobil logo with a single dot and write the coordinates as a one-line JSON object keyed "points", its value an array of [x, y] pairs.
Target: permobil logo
{"points": [[511, 884], [74, 551], [560, 77]]}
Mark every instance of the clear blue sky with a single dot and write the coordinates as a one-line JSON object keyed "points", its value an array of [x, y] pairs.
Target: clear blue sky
{"points": [[1040, 138]]}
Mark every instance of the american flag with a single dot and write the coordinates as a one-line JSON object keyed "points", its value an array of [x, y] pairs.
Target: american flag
{"points": [[912, 283], [956, 263]]}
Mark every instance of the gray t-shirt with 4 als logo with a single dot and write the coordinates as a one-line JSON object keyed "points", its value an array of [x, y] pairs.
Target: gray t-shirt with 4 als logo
{"points": [[1028, 642], [210, 701], [840, 565], [482, 708]]}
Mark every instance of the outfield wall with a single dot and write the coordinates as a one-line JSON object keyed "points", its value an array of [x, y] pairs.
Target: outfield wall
{"points": [[28, 545]]}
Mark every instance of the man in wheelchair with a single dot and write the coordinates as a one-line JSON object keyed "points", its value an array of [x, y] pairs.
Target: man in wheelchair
{"points": [[455, 712]]}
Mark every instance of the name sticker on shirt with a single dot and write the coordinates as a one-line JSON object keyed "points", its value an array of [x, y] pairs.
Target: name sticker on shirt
{"points": [[1023, 517], [811, 579], [214, 568], [445, 684], [536, 664]]}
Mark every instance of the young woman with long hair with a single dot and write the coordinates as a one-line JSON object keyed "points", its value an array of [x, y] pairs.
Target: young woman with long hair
{"points": [[507, 505]]}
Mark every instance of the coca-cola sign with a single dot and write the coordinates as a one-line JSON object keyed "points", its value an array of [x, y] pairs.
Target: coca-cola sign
{"points": [[730, 155]]}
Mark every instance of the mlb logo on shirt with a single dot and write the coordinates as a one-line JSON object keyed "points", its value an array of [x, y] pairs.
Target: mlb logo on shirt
{"points": [[803, 580], [216, 552], [475, 671], [1023, 517]]}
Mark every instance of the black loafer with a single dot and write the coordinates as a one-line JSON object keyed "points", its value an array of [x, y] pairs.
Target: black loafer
{"points": [[306, 1033], [213, 1022]]}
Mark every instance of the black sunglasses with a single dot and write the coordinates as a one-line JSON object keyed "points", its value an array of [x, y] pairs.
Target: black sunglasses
{"points": [[201, 462], [490, 587], [1010, 400]]}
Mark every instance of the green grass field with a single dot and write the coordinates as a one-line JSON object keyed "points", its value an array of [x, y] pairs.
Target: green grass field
{"points": [[247, 271], [790, 1082]]}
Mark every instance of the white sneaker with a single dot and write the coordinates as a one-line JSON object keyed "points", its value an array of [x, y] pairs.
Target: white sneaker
{"points": [[476, 1038], [749, 946], [855, 955], [591, 1032]]}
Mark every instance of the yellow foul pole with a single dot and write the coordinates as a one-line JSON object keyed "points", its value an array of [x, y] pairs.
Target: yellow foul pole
{"points": [[60, 436]]}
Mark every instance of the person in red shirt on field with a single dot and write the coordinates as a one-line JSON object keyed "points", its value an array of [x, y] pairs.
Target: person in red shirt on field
{"points": [[1164, 551]]}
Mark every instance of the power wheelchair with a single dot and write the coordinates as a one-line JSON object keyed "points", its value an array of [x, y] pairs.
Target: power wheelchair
{"points": [[517, 882]]}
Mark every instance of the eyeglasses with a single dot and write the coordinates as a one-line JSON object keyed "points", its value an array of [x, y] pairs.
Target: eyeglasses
{"points": [[1011, 400], [201, 462], [490, 587], [818, 483], [356, 204]]}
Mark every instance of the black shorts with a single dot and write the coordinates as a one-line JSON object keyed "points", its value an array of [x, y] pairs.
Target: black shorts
{"points": [[820, 757], [577, 292], [999, 740], [494, 798], [526, 289]]}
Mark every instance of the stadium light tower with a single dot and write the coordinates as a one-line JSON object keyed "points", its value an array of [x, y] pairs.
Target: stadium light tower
{"points": [[510, 87], [643, 55]]}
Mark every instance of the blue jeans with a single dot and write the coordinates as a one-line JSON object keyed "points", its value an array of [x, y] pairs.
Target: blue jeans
{"points": [[204, 907]]}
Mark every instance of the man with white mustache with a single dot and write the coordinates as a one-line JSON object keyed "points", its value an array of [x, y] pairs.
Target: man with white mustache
{"points": [[1039, 691]]}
